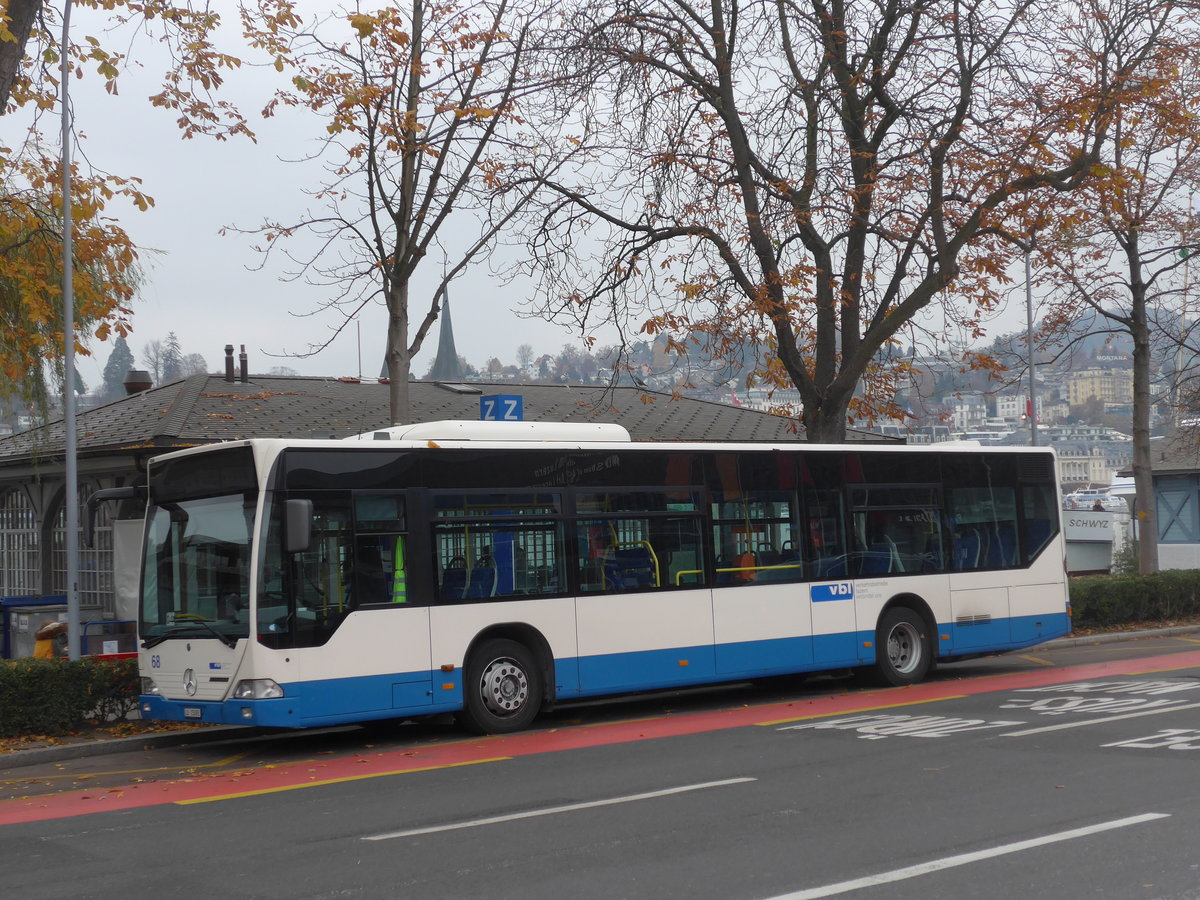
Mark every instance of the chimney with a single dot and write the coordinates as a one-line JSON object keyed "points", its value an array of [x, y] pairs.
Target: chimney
{"points": [[136, 381], [243, 365], [229, 362]]}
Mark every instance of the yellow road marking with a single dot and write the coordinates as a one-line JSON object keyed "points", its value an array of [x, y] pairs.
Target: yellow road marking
{"points": [[1038, 660], [1164, 669], [861, 709], [309, 784]]}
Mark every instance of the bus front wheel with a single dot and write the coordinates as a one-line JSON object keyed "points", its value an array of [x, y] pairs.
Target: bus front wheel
{"points": [[502, 688], [902, 652]]}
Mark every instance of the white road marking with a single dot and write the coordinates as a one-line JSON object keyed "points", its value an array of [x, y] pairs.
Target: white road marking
{"points": [[963, 859], [1134, 715], [553, 810]]}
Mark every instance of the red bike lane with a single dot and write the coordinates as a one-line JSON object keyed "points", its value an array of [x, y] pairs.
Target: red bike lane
{"points": [[295, 776]]}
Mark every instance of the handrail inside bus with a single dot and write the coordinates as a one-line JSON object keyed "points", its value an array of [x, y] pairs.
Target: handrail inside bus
{"points": [[725, 569]]}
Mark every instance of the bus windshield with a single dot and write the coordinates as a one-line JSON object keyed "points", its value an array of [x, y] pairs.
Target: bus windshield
{"points": [[195, 581]]}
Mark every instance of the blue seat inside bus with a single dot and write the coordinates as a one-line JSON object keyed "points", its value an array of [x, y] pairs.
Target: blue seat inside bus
{"points": [[1002, 548], [883, 557], [630, 568], [966, 549], [831, 566], [482, 582], [454, 581]]}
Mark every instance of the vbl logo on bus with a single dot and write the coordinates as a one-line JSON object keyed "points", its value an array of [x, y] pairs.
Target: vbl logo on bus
{"points": [[823, 593]]}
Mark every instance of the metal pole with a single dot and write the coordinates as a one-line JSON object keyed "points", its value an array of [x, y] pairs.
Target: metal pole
{"points": [[1029, 342], [1033, 435], [71, 498]]}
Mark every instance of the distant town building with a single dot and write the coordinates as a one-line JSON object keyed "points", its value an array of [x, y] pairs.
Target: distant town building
{"points": [[969, 411], [1112, 386]]}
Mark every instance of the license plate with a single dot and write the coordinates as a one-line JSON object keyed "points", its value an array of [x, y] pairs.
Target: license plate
{"points": [[193, 712]]}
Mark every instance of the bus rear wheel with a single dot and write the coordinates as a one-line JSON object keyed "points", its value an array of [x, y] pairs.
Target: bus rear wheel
{"points": [[502, 688], [902, 652]]}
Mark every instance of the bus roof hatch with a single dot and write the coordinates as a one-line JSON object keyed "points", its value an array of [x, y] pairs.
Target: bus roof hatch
{"points": [[465, 430]]}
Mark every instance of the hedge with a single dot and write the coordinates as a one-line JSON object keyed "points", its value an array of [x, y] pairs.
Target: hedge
{"points": [[1102, 601], [51, 696]]}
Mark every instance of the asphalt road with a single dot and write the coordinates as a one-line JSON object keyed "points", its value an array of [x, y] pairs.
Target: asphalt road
{"points": [[1057, 773]]}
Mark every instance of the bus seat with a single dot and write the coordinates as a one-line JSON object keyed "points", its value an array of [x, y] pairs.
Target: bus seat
{"points": [[876, 561], [789, 561], [887, 546], [767, 556], [482, 582], [966, 549], [831, 567], [454, 580], [636, 567], [1006, 544]]}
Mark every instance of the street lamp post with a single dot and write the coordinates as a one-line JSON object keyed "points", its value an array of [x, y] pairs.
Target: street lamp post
{"points": [[1033, 435], [71, 496]]}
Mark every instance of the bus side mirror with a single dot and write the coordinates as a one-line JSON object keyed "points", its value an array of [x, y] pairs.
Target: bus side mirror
{"points": [[104, 496], [298, 522]]}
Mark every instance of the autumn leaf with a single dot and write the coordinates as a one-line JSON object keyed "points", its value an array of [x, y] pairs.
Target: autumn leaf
{"points": [[363, 24]]}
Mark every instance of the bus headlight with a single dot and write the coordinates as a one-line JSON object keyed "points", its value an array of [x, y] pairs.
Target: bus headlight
{"points": [[257, 689], [148, 685]]}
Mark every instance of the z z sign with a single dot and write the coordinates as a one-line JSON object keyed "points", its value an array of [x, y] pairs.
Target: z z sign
{"points": [[502, 408]]}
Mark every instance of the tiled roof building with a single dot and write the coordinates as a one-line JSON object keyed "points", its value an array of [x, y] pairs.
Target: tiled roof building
{"points": [[114, 441]]}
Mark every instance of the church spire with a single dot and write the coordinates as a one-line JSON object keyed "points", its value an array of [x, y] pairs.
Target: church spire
{"points": [[445, 365]]}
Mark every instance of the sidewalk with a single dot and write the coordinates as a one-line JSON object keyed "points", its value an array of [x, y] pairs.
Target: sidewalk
{"points": [[85, 747]]}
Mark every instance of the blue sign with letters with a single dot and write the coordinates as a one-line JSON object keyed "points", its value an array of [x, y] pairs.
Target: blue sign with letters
{"points": [[502, 408], [823, 593]]}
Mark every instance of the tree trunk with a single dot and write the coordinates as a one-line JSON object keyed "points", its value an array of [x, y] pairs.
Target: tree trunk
{"points": [[399, 359], [21, 16], [825, 423], [1144, 508]]}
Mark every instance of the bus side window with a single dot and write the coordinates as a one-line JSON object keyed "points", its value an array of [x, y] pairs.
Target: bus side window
{"points": [[755, 533], [984, 521], [1038, 522], [640, 554], [826, 535], [378, 574]]}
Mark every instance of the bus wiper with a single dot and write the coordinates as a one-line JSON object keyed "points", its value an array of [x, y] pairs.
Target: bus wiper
{"points": [[157, 639]]}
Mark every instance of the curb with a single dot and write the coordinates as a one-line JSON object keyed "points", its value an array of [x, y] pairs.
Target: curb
{"points": [[1111, 637], [217, 733], [104, 746]]}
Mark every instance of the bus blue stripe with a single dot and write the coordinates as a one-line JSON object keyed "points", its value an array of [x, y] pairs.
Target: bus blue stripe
{"points": [[341, 700]]}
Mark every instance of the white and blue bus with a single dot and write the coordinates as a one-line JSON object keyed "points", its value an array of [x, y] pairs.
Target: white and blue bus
{"points": [[493, 569]]}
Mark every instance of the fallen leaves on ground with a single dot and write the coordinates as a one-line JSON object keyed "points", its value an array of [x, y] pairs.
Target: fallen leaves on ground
{"points": [[128, 728]]}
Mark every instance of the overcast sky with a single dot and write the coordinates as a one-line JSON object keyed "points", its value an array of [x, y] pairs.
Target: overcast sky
{"points": [[203, 286]]}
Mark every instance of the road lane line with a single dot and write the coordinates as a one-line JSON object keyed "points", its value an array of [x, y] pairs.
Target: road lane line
{"points": [[554, 810], [1036, 659], [962, 859], [1159, 670], [44, 807], [259, 792], [1063, 726], [826, 715]]}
